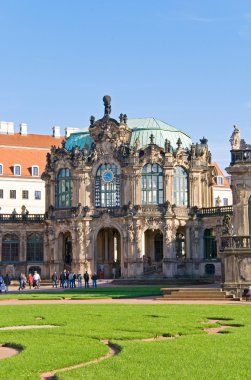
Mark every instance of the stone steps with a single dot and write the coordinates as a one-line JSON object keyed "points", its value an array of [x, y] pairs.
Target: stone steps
{"points": [[194, 294]]}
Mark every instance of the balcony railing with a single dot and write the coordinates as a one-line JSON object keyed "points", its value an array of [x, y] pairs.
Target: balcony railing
{"points": [[235, 242], [20, 218], [211, 211], [242, 156]]}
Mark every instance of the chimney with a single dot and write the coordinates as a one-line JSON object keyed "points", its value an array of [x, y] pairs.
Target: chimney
{"points": [[69, 131], [6, 128], [56, 131], [23, 129]]}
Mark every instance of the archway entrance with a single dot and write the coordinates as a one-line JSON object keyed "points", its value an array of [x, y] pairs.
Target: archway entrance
{"points": [[65, 245], [109, 253], [153, 251]]}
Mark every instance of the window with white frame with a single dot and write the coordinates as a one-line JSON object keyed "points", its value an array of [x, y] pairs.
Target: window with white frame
{"points": [[1, 193], [37, 194], [35, 171], [17, 169], [219, 180], [1, 169], [225, 201]]}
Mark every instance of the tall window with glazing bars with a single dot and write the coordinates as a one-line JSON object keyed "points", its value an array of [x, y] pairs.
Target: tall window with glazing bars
{"points": [[152, 184], [64, 189], [34, 247], [107, 186], [180, 186]]}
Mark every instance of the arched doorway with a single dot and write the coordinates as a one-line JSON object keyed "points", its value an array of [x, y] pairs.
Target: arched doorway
{"points": [[65, 246], [153, 251], [108, 253]]}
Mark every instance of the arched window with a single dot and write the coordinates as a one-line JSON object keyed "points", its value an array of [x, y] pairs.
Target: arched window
{"points": [[210, 246], [64, 189], [10, 248], [35, 247], [180, 186], [107, 186], [152, 184]]}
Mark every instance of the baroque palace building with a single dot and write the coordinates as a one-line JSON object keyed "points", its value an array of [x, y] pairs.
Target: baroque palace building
{"points": [[135, 195]]}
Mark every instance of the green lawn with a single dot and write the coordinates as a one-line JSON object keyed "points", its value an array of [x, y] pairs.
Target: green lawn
{"points": [[193, 354], [111, 292]]}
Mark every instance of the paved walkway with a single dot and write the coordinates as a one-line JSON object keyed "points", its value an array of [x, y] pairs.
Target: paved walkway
{"points": [[131, 301]]}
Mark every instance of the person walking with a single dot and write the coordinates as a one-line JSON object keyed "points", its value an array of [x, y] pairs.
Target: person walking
{"points": [[30, 280], [7, 282], [79, 278], [86, 278], [22, 281], [94, 280], [54, 278], [36, 280]]}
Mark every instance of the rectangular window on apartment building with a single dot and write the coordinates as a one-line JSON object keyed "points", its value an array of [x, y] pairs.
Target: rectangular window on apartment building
{"points": [[17, 170], [13, 194], [34, 171], [37, 194], [25, 194], [1, 169], [219, 180], [1, 193], [225, 201]]}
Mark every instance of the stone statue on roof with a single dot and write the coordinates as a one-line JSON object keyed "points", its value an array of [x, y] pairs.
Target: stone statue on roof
{"points": [[107, 103], [235, 138]]}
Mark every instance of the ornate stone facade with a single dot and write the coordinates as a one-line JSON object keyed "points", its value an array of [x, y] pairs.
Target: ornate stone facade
{"points": [[132, 196], [236, 240]]}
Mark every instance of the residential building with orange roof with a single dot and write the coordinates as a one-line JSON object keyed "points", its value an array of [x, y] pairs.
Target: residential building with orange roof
{"points": [[22, 162], [222, 193]]}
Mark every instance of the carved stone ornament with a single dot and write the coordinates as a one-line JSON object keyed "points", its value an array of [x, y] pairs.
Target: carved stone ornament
{"points": [[245, 269], [153, 223], [131, 232]]}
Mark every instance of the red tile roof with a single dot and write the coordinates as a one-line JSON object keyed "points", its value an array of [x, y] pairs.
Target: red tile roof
{"points": [[31, 140], [219, 173], [35, 156]]}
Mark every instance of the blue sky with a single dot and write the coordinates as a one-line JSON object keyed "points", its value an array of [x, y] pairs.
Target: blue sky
{"points": [[187, 63]]}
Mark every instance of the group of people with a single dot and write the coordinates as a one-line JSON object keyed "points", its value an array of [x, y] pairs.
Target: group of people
{"points": [[4, 283], [32, 281], [68, 279]]}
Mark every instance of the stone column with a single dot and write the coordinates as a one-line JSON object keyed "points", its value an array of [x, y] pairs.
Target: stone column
{"points": [[168, 184], [23, 246], [106, 247], [137, 187], [188, 251]]}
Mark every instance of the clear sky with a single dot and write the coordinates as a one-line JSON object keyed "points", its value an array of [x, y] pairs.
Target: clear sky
{"points": [[187, 63]]}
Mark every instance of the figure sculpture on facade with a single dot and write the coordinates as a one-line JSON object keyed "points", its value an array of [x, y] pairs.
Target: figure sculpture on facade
{"points": [[107, 104], [235, 139]]}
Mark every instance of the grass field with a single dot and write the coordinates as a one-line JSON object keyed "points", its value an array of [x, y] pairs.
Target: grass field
{"points": [[193, 354], [111, 292]]}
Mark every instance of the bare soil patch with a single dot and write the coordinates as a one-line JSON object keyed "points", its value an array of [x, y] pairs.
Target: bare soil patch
{"points": [[8, 351]]}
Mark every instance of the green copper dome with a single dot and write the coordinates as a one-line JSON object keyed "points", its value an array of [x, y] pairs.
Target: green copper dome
{"points": [[79, 139], [141, 130]]}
